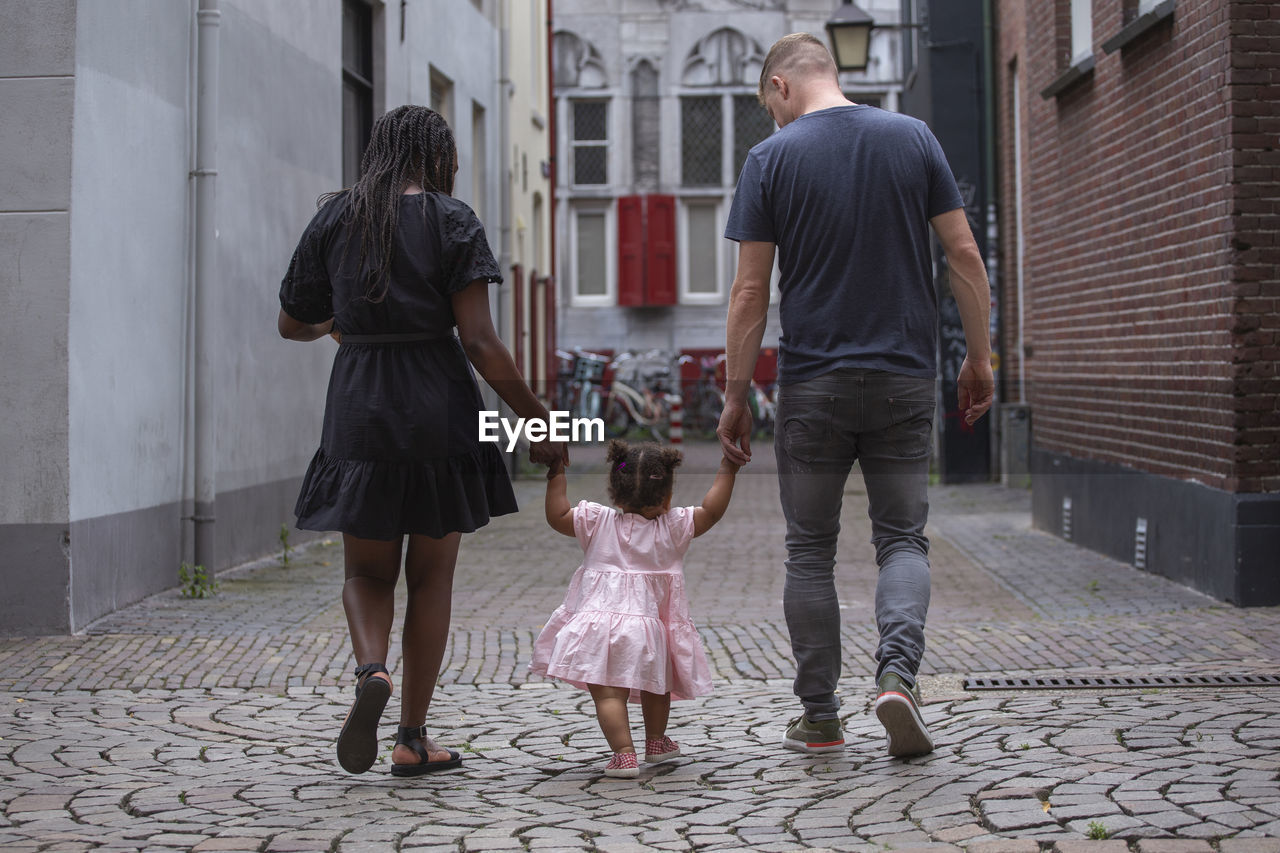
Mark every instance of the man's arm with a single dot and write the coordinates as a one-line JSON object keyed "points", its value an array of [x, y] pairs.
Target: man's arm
{"points": [[748, 313], [969, 285]]}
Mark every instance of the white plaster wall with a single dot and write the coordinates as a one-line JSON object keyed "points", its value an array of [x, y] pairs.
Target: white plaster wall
{"points": [[279, 149], [128, 256]]}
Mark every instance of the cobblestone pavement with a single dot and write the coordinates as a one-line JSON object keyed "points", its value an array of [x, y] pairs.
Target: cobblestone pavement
{"points": [[208, 724]]}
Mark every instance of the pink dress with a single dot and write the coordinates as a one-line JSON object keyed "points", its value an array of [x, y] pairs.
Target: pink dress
{"points": [[625, 620]]}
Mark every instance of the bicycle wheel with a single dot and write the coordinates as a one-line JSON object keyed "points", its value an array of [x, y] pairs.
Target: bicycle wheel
{"points": [[617, 420]]}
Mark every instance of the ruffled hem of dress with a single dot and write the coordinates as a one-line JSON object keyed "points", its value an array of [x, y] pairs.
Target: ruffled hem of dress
{"points": [[375, 499], [593, 647]]}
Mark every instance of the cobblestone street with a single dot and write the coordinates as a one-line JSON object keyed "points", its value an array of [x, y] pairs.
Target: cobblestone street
{"points": [[181, 724]]}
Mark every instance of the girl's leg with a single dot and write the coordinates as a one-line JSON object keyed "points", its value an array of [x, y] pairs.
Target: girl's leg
{"points": [[656, 708], [428, 571], [368, 596], [611, 712]]}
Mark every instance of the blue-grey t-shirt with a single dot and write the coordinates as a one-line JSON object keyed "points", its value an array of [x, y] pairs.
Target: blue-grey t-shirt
{"points": [[847, 193]]}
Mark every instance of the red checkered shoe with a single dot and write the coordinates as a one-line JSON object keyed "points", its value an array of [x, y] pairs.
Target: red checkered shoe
{"points": [[657, 750], [623, 765]]}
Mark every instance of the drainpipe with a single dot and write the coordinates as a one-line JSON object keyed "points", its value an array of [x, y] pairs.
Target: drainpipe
{"points": [[205, 173]]}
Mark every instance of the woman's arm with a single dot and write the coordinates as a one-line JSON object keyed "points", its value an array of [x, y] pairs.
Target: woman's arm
{"points": [[490, 356], [296, 330], [717, 499]]}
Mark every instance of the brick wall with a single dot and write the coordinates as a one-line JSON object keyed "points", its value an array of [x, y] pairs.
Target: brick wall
{"points": [[1254, 102], [1134, 290]]}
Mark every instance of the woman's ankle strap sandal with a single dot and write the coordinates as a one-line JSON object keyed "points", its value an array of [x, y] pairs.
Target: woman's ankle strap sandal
{"points": [[363, 673], [358, 740], [415, 738]]}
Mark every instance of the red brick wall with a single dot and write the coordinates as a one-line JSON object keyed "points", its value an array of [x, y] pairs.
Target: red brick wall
{"points": [[1131, 274], [1254, 77]]}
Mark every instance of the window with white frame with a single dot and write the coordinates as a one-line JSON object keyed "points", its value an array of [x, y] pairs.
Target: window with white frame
{"points": [[701, 247], [701, 140], [593, 251], [751, 124], [1081, 30], [590, 142]]}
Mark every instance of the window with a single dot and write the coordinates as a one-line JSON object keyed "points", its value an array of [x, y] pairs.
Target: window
{"points": [[702, 141], [590, 142], [442, 95], [1081, 30], [701, 248], [592, 256], [751, 123], [357, 86], [479, 158]]}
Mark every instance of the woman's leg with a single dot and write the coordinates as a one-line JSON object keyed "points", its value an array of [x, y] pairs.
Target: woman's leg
{"points": [[428, 571], [368, 596], [611, 712], [656, 708]]}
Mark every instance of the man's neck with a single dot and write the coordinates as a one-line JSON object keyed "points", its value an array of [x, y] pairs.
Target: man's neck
{"points": [[826, 100]]}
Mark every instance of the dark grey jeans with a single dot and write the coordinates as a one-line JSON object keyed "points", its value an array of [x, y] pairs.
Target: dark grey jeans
{"points": [[884, 421]]}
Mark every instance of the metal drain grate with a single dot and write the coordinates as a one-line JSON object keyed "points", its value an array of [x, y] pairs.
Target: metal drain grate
{"points": [[1091, 683]]}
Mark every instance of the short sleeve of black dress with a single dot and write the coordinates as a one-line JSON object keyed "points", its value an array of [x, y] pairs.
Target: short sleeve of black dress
{"points": [[306, 294], [466, 248]]}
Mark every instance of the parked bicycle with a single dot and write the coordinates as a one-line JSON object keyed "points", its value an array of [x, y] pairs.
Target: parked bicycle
{"points": [[639, 395], [579, 390], [704, 399]]}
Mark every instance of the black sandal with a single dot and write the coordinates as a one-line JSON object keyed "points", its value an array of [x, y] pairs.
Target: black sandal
{"points": [[412, 737], [358, 740]]}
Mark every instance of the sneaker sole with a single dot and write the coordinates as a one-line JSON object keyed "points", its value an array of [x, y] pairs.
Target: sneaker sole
{"points": [[623, 773], [812, 748], [907, 733]]}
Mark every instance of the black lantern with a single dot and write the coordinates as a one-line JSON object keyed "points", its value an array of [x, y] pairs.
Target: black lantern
{"points": [[850, 32]]}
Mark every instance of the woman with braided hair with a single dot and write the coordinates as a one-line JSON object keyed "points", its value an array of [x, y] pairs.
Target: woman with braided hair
{"points": [[389, 267]]}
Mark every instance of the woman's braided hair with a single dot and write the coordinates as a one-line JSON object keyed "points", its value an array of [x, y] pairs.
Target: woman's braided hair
{"points": [[409, 144], [641, 475]]}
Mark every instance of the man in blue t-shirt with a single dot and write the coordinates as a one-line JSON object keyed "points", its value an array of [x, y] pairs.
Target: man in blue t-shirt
{"points": [[846, 194]]}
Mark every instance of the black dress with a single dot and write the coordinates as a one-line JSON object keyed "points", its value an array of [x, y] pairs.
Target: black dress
{"points": [[400, 451]]}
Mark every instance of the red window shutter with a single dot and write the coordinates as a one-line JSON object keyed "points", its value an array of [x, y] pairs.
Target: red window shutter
{"points": [[631, 250], [661, 247]]}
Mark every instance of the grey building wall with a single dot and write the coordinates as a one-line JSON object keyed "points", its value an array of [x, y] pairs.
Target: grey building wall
{"points": [[97, 257], [37, 90]]}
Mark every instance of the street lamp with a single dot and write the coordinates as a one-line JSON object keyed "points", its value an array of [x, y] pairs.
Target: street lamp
{"points": [[850, 32]]}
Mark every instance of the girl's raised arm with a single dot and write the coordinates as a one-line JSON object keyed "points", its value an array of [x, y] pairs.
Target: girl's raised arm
{"points": [[717, 499], [559, 513]]}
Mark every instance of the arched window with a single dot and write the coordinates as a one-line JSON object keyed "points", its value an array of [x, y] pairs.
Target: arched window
{"points": [[578, 64]]}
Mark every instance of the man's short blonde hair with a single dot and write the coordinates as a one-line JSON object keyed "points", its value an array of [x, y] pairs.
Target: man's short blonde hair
{"points": [[800, 55]]}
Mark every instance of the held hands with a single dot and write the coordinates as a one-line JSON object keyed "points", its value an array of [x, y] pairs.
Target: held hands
{"points": [[976, 389], [553, 454]]}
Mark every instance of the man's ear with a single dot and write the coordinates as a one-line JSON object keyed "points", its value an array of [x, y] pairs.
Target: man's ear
{"points": [[781, 85]]}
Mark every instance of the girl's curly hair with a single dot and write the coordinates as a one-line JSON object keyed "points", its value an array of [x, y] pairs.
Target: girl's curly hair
{"points": [[641, 475]]}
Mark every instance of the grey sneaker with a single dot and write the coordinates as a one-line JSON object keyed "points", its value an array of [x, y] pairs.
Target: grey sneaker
{"points": [[898, 709], [814, 736]]}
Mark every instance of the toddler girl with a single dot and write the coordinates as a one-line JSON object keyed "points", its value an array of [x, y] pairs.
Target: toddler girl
{"points": [[624, 631]]}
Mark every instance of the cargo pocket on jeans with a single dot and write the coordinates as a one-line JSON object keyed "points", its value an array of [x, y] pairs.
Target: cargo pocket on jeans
{"points": [[912, 426], [806, 427]]}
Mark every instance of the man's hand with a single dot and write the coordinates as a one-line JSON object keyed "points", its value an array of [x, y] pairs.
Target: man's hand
{"points": [[734, 432], [976, 389]]}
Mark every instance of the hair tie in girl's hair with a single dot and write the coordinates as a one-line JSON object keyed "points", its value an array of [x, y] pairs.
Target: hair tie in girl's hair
{"points": [[621, 465]]}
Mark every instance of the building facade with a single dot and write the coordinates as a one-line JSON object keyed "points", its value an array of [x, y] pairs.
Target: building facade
{"points": [[656, 109], [159, 161], [1140, 212]]}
